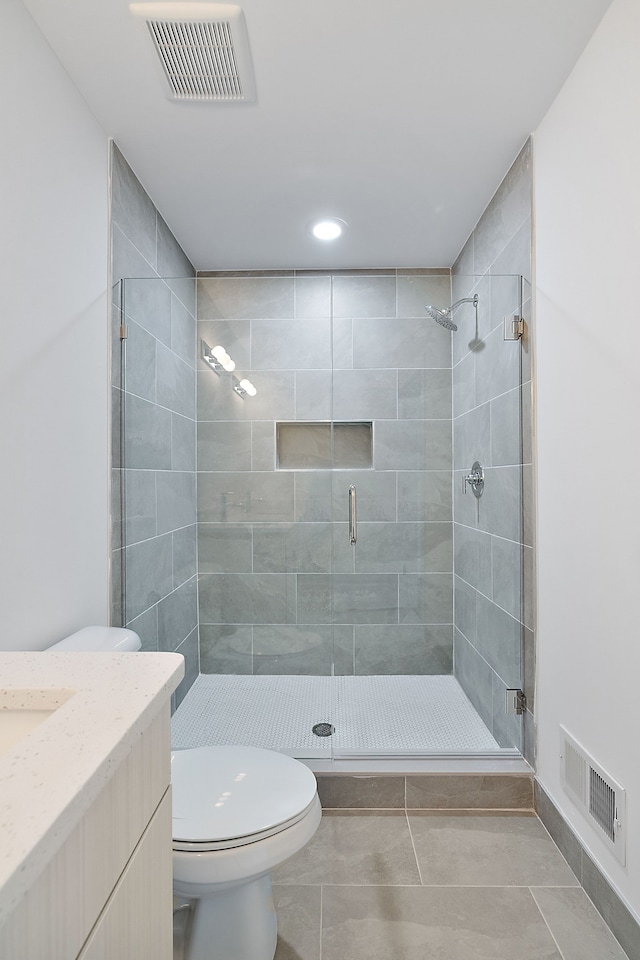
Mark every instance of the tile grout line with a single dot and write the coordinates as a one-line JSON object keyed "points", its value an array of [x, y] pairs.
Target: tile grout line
{"points": [[544, 920], [413, 845], [320, 930]]}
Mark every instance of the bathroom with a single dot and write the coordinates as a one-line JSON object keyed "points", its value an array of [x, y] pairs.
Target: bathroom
{"points": [[585, 250]]}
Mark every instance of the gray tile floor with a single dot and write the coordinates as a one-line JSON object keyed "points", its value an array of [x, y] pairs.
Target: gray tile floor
{"points": [[384, 885]]}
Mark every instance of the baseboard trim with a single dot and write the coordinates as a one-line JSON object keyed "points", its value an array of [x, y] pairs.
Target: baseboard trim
{"points": [[607, 902]]}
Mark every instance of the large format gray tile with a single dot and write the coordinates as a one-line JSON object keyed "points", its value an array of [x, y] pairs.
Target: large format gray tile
{"points": [[241, 497], [506, 446], [498, 639], [298, 910], [412, 445], [132, 209], [403, 649], [466, 792], [364, 296], [448, 923], [176, 383], [312, 297], [415, 291], [140, 369], [364, 598], [313, 395], [176, 493], [500, 507], [355, 849], [474, 675], [487, 851], [147, 301], [224, 445], [424, 394], [472, 552], [183, 442], [140, 500], [149, 573], [472, 439], [225, 547], [365, 395], [400, 343], [425, 598], [509, 208], [247, 598], [184, 554], [221, 298], [507, 560], [576, 925], [375, 492], [173, 262], [464, 609], [290, 345], [364, 792], [292, 548], [177, 616], [423, 495], [147, 435], [226, 648], [292, 650], [183, 332], [497, 366], [404, 548]]}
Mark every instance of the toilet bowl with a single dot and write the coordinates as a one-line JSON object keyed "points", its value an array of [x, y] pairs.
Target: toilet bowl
{"points": [[238, 812]]}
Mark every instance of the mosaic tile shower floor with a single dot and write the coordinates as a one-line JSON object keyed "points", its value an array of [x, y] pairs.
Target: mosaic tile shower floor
{"points": [[393, 715]]}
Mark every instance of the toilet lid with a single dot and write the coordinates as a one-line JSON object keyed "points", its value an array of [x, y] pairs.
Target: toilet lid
{"points": [[234, 793]]}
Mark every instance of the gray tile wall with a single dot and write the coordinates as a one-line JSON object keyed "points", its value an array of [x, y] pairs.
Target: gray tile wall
{"points": [[493, 540], [155, 544], [281, 589]]}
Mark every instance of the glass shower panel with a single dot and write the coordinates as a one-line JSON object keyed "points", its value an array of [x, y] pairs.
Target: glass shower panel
{"points": [[489, 545], [264, 493]]}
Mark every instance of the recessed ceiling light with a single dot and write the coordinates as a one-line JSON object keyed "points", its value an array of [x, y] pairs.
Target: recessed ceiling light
{"points": [[328, 228]]}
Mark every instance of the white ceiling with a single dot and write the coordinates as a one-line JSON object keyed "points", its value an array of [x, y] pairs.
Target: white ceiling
{"points": [[401, 118]]}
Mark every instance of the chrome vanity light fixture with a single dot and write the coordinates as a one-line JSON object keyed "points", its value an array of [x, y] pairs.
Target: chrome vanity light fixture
{"points": [[220, 362]]}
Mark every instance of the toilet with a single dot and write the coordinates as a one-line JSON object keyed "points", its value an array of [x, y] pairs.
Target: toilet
{"points": [[238, 812]]}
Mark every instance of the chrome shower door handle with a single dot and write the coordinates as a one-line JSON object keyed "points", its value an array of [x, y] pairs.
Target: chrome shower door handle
{"points": [[353, 520]]}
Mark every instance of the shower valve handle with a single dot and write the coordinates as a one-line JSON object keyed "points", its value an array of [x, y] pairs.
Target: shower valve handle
{"points": [[475, 479]]}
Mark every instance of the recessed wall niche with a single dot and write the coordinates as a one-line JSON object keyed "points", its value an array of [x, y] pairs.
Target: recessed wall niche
{"points": [[312, 446]]}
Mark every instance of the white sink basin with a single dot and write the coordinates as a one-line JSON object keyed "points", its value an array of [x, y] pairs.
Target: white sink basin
{"points": [[16, 724], [21, 711]]}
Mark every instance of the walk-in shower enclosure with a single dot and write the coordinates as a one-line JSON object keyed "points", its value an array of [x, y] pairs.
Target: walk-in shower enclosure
{"points": [[291, 506]]}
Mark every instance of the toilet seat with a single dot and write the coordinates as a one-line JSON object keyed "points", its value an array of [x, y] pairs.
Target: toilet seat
{"points": [[230, 796]]}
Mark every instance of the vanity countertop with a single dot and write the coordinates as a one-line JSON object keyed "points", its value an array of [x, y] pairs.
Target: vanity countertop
{"points": [[101, 703]]}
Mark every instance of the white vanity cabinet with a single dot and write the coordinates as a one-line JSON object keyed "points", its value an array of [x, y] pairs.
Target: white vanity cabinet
{"points": [[105, 891]]}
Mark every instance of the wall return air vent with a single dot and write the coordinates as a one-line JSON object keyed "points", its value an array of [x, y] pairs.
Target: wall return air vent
{"points": [[598, 796], [203, 49]]}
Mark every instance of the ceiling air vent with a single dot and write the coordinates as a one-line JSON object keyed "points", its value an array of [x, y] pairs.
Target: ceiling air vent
{"points": [[203, 49], [600, 798]]}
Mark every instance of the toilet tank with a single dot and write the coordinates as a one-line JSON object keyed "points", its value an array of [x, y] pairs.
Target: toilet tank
{"points": [[94, 639]]}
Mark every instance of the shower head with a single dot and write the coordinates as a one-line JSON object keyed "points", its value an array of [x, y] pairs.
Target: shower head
{"points": [[445, 317]]}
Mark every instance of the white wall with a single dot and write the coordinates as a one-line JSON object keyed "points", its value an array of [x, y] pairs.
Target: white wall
{"points": [[587, 210], [53, 350]]}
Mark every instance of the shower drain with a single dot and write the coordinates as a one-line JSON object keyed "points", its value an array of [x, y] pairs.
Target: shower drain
{"points": [[323, 729]]}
